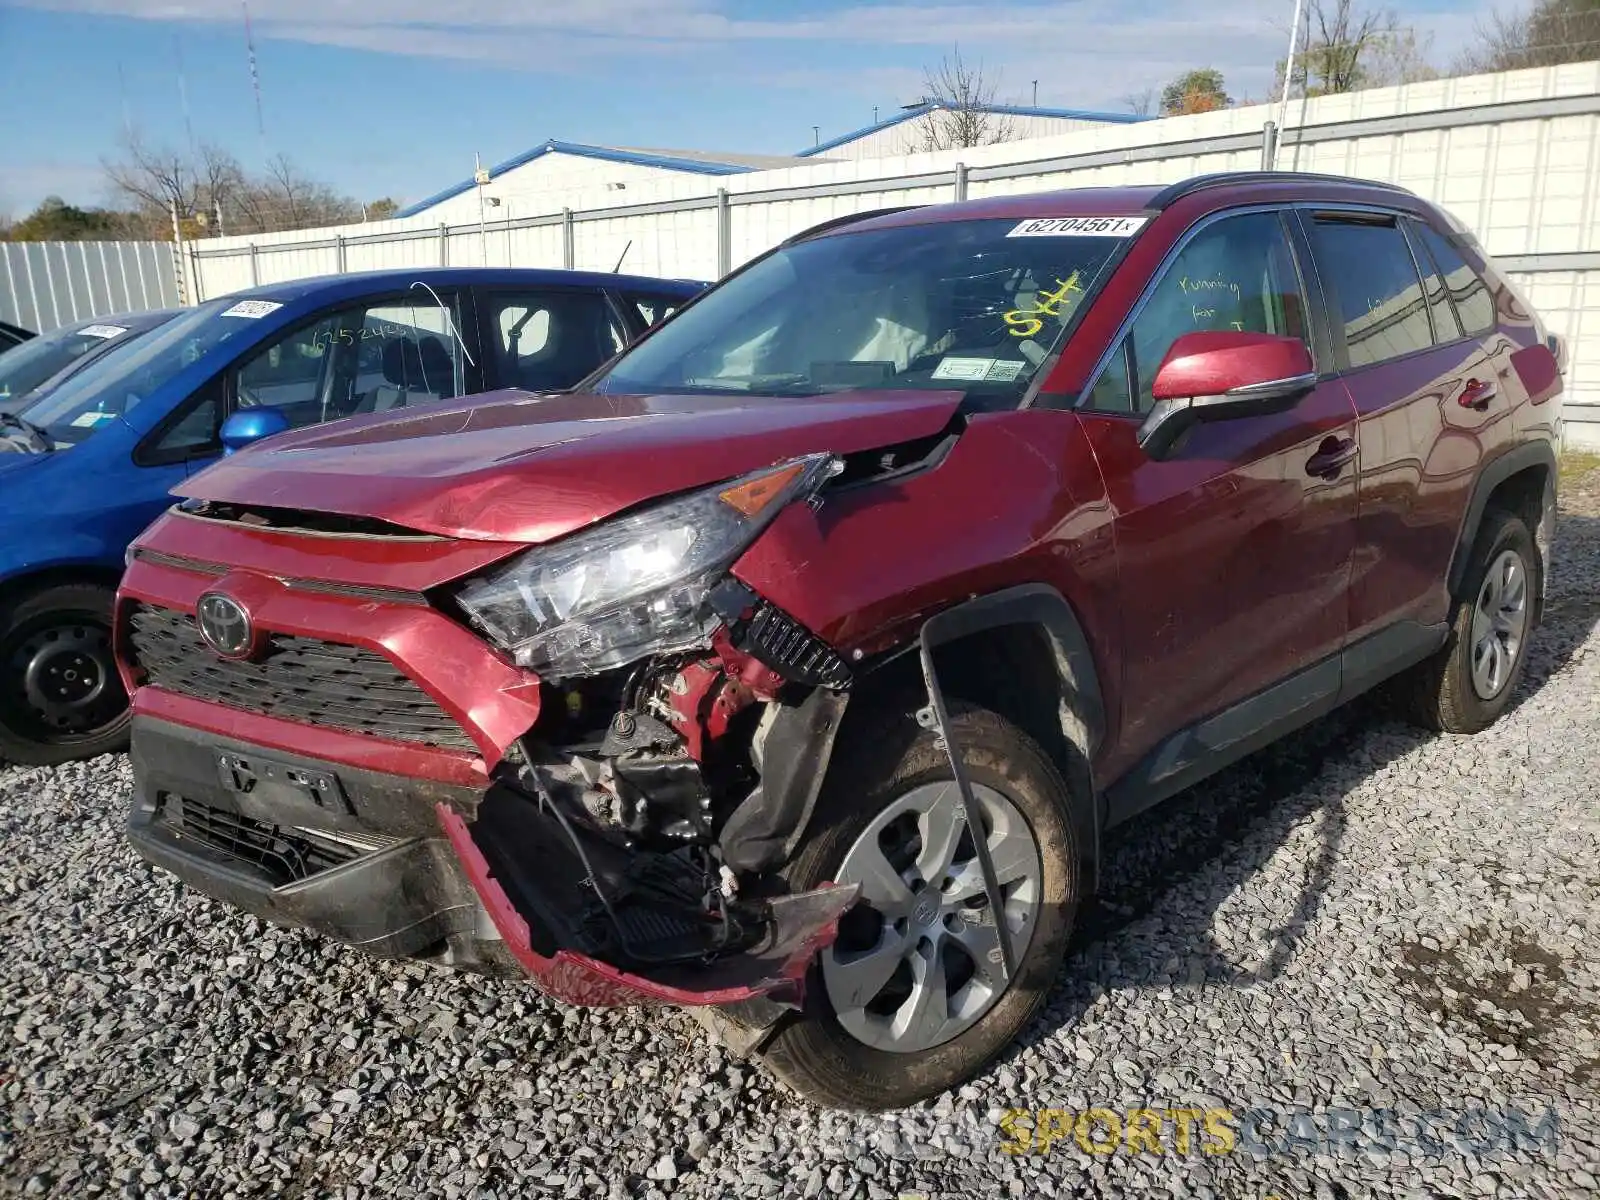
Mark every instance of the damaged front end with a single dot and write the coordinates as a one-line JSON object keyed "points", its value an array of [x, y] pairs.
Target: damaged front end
{"points": [[625, 854]]}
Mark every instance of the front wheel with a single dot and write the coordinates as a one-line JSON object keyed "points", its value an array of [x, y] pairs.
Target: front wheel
{"points": [[60, 695], [913, 999]]}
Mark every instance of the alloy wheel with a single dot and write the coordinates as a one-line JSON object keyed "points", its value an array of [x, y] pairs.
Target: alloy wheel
{"points": [[918, 960], [1499, 624]]}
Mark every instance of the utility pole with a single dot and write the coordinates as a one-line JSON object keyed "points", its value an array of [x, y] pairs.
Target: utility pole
{"points": [[177, 252], [1036, 93], [1288, 78], [816, 135], [481, 177]]}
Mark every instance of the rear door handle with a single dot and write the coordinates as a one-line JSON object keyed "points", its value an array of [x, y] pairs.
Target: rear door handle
{"points": [[1332, 456], [1478, 393]]}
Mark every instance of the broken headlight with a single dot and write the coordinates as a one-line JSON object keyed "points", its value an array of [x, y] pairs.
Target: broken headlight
{"points": [[635, 585]]}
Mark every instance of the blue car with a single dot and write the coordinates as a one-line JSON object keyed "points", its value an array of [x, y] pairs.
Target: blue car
{"points": [[88, 464], [51, 358]]}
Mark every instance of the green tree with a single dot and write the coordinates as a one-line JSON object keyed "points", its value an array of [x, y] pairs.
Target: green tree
{"points": [[381, 209], [57, 221], [1197, 91]]}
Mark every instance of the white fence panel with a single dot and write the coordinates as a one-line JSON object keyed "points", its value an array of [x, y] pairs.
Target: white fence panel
{"points": [[44, 285]]}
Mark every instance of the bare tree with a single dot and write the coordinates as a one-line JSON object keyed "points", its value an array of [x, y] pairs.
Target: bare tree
{"points": [[1141, 103], [961, 113], [211, 192], [1550, 33], [156, 180], [1350, 46]]}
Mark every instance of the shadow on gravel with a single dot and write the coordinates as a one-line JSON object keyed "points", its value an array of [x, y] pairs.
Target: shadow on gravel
{"points": [[1304, 777]]}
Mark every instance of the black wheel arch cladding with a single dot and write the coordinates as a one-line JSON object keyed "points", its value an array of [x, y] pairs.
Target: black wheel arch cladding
{"points": [[764, 830]]}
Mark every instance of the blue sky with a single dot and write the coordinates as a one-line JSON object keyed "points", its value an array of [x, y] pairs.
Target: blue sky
{"points": [[394, 98]]}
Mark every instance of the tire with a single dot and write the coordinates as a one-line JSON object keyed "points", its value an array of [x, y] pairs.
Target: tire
{"points": [[60, 695], [1443, 693], [822, 1054]]}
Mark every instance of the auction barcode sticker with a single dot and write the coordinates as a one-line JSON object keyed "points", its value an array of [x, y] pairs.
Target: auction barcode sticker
{"points": [[1117, 227], [253, 309], [103, 331]]}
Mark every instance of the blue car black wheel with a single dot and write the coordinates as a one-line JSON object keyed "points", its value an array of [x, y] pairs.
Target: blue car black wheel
{"points": [[60, 695]]}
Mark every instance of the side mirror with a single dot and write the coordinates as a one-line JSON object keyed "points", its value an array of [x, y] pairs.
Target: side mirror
{"points": [[1222, 377], [251, 425]]}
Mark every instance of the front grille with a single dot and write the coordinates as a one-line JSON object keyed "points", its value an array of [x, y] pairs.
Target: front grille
{"points": [[299, 679], [286, 854]]}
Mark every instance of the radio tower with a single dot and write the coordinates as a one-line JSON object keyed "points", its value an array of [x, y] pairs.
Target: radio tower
{"points": [[255, 77]]}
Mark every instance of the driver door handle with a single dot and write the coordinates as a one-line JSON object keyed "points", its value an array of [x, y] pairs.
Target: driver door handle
{"points": [[1331, 457]]}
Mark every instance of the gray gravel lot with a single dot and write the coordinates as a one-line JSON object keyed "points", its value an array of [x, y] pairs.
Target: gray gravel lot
{"points": [[1362, 918]]}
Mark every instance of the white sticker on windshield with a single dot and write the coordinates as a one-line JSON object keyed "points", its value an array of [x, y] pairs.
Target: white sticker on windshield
{"points": [[103, 331], [253, 309], [963, 368], [1004, 370], [1117, 227], [90, 419]]}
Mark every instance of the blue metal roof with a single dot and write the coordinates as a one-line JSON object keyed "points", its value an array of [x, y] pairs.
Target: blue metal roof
{"points": [[1009, 110], [605, 153]]}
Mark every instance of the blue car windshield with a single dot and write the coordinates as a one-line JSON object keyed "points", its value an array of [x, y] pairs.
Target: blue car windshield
{"points": [[119, 382], [36, 360]]}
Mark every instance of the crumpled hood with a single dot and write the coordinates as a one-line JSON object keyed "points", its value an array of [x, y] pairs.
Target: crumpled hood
{"points": [[511, 466]]}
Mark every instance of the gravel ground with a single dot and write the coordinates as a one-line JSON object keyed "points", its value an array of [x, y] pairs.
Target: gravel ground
{"points": [[1362, 918]]}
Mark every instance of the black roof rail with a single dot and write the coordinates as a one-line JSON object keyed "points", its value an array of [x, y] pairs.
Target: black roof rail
{"points": [[1199, 183], [849, 219]]}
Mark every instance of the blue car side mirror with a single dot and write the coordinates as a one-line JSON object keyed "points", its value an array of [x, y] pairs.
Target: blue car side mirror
{"points": [[251, 425]]}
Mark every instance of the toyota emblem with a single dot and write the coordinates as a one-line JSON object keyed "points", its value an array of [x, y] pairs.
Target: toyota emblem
{"points": [[224, 625]]}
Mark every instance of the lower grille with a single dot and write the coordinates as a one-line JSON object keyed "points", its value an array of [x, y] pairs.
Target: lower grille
{"points": [[286, 854], [299, 679]]}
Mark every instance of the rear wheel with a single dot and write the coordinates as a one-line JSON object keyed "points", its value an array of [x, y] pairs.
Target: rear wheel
{"points": [[60, 695], [912, 999], [1468, 683]]}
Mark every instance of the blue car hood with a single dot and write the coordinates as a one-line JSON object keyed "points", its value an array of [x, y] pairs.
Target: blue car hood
{"points": [[12, 461]]}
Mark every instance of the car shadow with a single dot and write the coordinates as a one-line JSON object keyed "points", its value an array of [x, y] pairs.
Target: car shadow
{"points": [[1164, 865]]}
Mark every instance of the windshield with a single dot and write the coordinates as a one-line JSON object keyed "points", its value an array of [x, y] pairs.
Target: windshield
{"points": [[118, 382], [36, 360], [971, 305]]}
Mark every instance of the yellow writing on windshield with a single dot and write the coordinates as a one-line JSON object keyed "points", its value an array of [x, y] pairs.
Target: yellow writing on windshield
{"points": [[1026, 322]]}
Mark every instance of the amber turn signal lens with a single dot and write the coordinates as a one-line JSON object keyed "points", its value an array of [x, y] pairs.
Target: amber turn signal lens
{"points": [[750, 497]]}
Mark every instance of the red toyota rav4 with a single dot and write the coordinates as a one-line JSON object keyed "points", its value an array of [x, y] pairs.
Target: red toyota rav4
{"points": [[793, 666]]}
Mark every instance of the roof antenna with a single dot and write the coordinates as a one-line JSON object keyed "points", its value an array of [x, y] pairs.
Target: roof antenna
{"points": [[625, 250]]}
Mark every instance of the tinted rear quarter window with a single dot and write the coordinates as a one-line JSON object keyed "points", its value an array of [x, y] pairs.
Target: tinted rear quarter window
{"points": [[1446, 326], [1377, 293], [1467, 289]]}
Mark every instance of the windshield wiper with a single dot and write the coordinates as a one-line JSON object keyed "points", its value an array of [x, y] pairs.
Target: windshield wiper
{"points": [[36, 432]]}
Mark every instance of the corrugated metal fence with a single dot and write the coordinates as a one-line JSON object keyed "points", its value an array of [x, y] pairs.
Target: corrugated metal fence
{"points": [[44, 285]]}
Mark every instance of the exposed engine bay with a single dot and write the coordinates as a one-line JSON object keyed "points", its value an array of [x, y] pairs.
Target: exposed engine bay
{"points": [[664, 787], [631, 785]]}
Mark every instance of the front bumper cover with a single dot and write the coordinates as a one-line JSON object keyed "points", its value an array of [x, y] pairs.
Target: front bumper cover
{"points": [[426, 890]]}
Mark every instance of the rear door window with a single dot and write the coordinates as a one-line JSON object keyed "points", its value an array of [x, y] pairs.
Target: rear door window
{"points": [[1446, 326], [1378, 294], [1468, 292], [547, 341]]}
